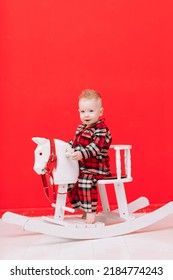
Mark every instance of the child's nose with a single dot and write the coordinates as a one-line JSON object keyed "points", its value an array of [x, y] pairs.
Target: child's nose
{"points": [[86, 114]]}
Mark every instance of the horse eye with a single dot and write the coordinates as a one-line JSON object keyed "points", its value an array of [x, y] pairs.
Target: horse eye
{"points": [[40, 153]]}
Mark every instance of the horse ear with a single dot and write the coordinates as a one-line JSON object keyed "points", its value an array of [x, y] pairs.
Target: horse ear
{"points": [[39, 140]]}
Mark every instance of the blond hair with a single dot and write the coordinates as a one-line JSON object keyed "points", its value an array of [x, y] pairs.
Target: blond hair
{"points": [[90, 94]]}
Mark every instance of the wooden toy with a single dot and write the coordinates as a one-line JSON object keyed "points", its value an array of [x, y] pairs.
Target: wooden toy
{"points": [[53, 162]]}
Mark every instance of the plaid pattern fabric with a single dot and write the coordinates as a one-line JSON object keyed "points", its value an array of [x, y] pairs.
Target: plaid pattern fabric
{"points": [[83, 195], [93, 142]]}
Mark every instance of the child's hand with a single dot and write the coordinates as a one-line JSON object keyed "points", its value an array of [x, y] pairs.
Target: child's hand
{"points": [[77, 155]]}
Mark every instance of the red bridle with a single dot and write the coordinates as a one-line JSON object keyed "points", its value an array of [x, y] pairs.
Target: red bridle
{"points": [[50, 166]]}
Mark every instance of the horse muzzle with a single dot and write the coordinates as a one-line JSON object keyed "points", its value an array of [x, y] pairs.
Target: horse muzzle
{"points": [[40, 171]]}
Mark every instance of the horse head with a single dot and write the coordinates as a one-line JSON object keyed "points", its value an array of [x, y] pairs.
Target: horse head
{"points": [[66, 171]]}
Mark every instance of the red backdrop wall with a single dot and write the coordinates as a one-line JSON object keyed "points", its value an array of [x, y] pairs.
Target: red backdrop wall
{"points": [[51, 51]]}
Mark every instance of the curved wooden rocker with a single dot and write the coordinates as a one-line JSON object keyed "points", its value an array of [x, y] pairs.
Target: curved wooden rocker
{"points": [[54, 164]]}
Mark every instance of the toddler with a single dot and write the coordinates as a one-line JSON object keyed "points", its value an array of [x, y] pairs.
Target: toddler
{"points": [[91, 144]]}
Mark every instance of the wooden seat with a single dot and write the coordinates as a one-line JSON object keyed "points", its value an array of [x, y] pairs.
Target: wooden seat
{"points": [[122, 158]]}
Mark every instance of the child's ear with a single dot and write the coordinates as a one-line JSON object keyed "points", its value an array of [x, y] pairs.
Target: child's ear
{"points": [[101, 111]]}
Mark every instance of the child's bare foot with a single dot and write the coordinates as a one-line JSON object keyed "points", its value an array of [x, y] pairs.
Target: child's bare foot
{"points": [[90, 218]]}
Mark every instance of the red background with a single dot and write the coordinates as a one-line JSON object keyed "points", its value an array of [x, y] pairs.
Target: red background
{"points": [[50, 51]]}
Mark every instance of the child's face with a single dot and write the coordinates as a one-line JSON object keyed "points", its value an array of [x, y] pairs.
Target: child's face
{"points": [[90, 110]]}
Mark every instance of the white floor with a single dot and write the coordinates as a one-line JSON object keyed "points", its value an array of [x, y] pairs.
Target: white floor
{"points": [[155, 242]]}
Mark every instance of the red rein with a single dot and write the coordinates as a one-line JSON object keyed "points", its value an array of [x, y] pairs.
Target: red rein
{"points": [[50, 187]]}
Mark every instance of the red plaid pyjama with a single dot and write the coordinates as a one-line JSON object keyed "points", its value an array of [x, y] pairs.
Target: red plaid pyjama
{"points": [[93, 142]]}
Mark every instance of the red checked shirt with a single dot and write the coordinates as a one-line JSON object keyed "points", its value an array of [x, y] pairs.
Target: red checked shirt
{"points": [[93, 142]]}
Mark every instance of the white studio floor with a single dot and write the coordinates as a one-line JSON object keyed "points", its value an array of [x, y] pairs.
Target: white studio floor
{"points": [[154, 242]]}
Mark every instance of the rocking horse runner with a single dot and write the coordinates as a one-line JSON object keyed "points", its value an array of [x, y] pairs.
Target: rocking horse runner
{"points": [[108, 223]]}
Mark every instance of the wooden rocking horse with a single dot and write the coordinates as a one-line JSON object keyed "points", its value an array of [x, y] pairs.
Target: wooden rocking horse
{"points": [[53, 162]]}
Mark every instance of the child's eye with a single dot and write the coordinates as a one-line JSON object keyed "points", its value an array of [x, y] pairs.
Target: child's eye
{"points": [[91, 111]]}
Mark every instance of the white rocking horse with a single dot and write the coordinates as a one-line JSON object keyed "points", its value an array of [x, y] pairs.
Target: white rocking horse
{"points": [[54, 164]]}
